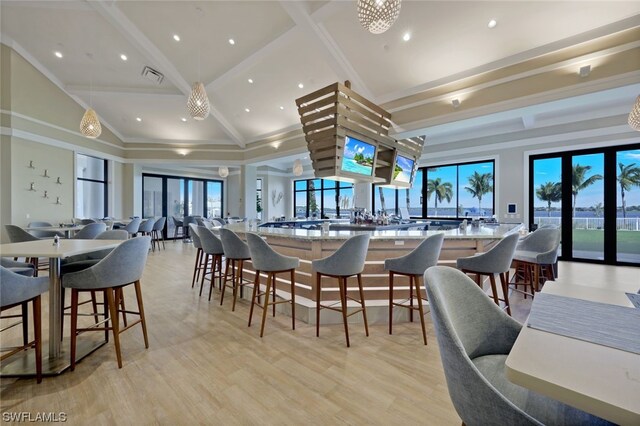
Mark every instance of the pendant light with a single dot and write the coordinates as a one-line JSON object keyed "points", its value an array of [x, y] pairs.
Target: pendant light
{"points": [[198, 102], [90, 124], [377, 16], [634, 115], [297, 168], [223, 171]]}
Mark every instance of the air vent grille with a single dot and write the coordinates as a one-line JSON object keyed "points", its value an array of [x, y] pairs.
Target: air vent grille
{"points": [[152, 75]]}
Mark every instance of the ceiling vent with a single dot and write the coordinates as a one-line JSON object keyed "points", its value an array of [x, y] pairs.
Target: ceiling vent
{"points": [[152, 75]]}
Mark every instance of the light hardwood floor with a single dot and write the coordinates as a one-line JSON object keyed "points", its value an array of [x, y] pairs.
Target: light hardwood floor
{"points": [[205, 366]]}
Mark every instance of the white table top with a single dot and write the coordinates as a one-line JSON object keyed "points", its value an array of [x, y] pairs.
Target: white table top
{"points": [[595, 378], [45, 248]]}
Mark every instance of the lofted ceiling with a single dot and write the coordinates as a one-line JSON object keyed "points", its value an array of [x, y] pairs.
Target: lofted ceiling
{"points": [[278, 45]]}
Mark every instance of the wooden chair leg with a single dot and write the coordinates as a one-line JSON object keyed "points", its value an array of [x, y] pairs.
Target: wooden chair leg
{"points": [[318, 293], [37, 331], [143, 320], [115, 324], [256, 286], [293, 299], [265, 307], [391, 302], [74, 327], [343, 302], [416, 282], [505, 291], [364, 308]]}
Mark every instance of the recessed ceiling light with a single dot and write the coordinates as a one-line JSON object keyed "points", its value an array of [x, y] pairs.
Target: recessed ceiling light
{"points": [[138, 119], [281, 108], [247, 110], [492, 23], [250, 81], [58, 54], [301, 86], [232, 41], [406, 36], [183, 119], [123, 57], [176, 37]]}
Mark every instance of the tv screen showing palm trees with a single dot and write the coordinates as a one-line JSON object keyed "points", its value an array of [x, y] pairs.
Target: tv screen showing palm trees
{"points": [[403, 169], [358, 157]]}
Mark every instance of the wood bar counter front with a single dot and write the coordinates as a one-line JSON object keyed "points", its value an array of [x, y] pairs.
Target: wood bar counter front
{"points": [[315, 244]]}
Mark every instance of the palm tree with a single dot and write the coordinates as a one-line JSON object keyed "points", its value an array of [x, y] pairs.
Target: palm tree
{"points": [[480, 184], [551, 192], [443, 191], [629, 177], [579, 181]]}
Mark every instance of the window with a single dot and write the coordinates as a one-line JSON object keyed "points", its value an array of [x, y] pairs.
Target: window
{"points": [[322, 198], [91, 187]]}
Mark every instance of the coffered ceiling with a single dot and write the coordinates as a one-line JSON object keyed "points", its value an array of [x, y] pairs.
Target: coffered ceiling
{"points": [[277, 45]]}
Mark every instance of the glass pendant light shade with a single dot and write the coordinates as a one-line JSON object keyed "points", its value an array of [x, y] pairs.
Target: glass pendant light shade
{"points": [[223, 171], [90, 125], [377, 16], [198, 102], [297, 168], [634, 115]]}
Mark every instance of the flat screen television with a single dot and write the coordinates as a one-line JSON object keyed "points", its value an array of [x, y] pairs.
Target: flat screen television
{"points": [[358, 157], [403, 169]]}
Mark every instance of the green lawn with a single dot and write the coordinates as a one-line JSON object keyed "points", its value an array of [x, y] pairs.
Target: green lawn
{"points": [[593, 240]]}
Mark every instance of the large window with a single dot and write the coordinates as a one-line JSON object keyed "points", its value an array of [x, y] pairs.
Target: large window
{"points": [[91, 187], [594, 197], [449, 191], [171, 196], [322, 198]]}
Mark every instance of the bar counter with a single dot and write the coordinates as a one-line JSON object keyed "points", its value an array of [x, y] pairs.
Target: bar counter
{"points": [[315, 244]]}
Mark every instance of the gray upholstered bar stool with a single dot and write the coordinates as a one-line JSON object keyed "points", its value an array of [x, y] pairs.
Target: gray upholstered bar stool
{"points": [[133, 226], [157, 234], [212, 247], [90, 231], [16, 290], [535, 256], [413, 265], [495, 261], [266, 259], [122, 267], [198, 267], [236, 251], [345, 262]]}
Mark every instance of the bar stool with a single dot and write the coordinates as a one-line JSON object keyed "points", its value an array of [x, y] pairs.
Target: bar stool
{"points": [[413, 265], [236, 251], [266, 259], [535, 256], [17, 290], [197, 243], [495, 261], [345, 262], [211, 246]]}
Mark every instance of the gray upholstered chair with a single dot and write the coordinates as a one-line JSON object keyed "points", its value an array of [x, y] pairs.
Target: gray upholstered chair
{"points": [[157, 233], [495, 261], [199, 266], [266, 259], [42, 233], [475, 338], [212, 248], [123, 266], [345, 262], [178, 227], [133, 226], [90, 231], [535, 256], [413, 266], [236, 251], [18, 290]]}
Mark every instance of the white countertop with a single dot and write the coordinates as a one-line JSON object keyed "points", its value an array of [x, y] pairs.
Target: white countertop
{"points": [[484, 232]]}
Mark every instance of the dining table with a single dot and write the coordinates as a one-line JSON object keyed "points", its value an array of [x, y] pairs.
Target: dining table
{"points": [[596, 375], [58, 359]]}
